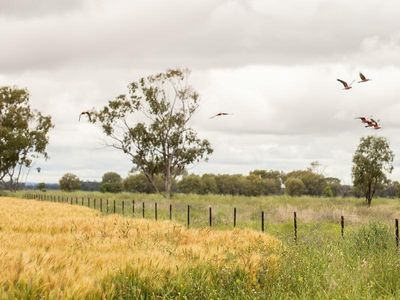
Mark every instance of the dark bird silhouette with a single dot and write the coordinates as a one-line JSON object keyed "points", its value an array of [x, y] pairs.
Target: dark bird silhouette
{"points": [[346, 86], [364, 120], [85, 113], [367, 121], [363, 78], [38, 169], [220, 114]]}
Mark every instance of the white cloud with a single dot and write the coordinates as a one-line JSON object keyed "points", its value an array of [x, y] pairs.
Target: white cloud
{"points": [[273, 64]]}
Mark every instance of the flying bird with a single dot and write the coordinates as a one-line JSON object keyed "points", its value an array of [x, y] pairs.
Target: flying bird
{"points": [[364, 120], [371, 123], [363, 78], [85, 113], [346, 86], [220, 114]]}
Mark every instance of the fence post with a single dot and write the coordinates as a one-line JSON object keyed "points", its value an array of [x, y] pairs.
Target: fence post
{"points": [[397, 233], [88, 202], [155, 211], [295, 226], [170, 211], [94, 203], [342, 226], [82, 201], [188, 216], [210, 216], [114, 207], [143, 209], [262, 221], [76, 200], [123, 207], [133, 208], [101, 204], [107, 205], [234, 217]]}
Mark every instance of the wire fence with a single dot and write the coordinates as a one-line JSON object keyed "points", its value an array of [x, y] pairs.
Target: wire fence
{"points": [[134, 209]]}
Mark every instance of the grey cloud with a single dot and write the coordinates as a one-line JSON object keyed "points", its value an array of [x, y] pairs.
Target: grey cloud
{"points": [[203, 34], [273, 64], [36, 8]]}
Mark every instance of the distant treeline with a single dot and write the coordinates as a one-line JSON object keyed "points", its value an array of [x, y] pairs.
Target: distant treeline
{"points": [[256, 183]]}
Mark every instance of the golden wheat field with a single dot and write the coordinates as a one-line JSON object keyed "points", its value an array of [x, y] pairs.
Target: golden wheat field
{"points": [[63, 251]]}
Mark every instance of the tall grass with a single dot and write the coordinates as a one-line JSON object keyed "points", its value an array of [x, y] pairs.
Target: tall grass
{"points": [[75, 252], [317, 215], [52, 250]]}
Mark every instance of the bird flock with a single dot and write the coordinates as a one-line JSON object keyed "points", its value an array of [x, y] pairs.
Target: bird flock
{"points": [[368, 121]]}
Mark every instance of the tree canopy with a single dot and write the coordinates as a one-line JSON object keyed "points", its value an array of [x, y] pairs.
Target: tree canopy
{"points": [[69, 182], [111, 183], [372, 161], [23, 134], [151, 125]]}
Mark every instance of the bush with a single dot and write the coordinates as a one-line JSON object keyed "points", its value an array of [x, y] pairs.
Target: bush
{"points": [[69, 182], [190, 184], [41, 186], [111, 183], [294, 187], [138, 184]]}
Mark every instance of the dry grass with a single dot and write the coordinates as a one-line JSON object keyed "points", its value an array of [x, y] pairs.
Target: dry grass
{"points": [[69, 252]]}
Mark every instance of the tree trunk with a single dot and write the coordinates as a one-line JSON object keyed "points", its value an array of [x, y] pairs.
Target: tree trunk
{"points": [[369, 200], [167, 179], [368, 195]]}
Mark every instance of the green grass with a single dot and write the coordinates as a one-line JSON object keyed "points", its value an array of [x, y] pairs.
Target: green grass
{"points": [[364, 264], [315, 215]]}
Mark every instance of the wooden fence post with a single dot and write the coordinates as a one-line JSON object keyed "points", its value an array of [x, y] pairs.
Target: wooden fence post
{"points": [[143, 209], [210, 216], [262, 221], [397, 232], [170, 211], [234, 217], [133, 208], [155, 211], [107, 205], [342, 225], [101, 204], [114, 207], [94, 203], [295, 226]]}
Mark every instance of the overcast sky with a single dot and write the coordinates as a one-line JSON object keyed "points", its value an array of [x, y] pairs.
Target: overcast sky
{"points": [[272, 63]]}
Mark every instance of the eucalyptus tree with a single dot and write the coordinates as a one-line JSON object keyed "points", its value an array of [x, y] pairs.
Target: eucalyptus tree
{"points": [[372, 162], [152, 125], [24, 135]]}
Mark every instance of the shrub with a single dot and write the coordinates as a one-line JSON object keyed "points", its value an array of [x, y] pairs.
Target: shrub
{"points": [[111, 183], [69, 182], [294, 187]]}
